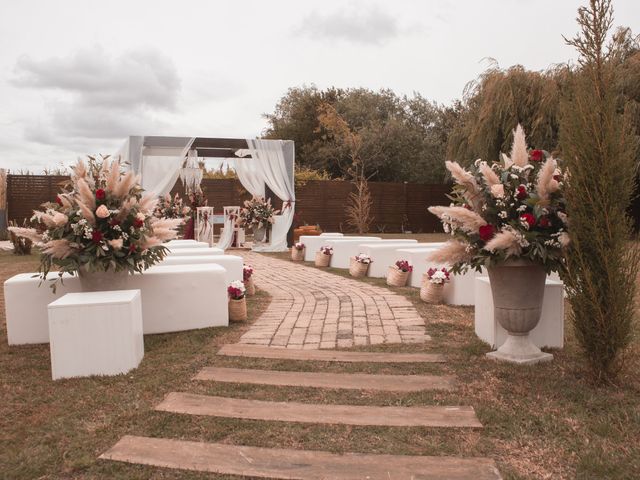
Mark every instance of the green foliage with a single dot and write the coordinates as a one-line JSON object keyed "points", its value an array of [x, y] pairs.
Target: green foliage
{"points": [[404, 137], [495, 103], [600, 151]]}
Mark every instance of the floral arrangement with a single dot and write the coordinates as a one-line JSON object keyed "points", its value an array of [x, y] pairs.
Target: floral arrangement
{"points": [[326, 250], [257, 213], [298, 246], [363, 258], [196, 199], [404, 266], [509, 209], [172, 207], [236, 290], [101, 221], [247, 271], [438, 276]]}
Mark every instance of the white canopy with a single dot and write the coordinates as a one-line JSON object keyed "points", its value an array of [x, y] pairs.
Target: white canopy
{"points": [[258, 163]]}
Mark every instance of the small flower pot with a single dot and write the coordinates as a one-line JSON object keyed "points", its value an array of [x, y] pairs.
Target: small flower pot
{"points": [[238, 310], [297, 255], [431, 292], [322, 260], [250, 286], [357, 269], [396, 277]]}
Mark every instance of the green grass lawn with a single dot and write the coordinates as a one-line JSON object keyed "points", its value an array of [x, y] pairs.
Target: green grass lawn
{"points": [[541, 422]]}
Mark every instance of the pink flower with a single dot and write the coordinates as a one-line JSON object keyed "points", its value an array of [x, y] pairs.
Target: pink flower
{"points": [[497, 190], [116, 243], [102, 211]]}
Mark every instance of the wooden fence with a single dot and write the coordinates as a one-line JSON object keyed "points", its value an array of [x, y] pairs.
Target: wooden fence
{"points": [[396, 206]]}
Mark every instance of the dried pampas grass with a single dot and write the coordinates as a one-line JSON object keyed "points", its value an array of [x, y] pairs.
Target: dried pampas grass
{"points": [[454, 251], [506, 240], [28, 233], [112, 177], [462, 177], [125, 184], [58, 248], [85, 194], [87, 213], [463, 218], [519, 153], [490, 177], [546, 183], [148, 203]]}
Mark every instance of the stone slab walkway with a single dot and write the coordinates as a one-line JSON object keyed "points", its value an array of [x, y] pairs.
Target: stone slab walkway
{"points": [[254, 351], [427, 416], [312, 309], [351, 381], [295, 464]]}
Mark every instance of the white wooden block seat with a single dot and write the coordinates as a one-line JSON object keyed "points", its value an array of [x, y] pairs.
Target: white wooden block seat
{"points": [[384, 254], [314, 242], [417, 258], [548, 333], [331, 234], [95, 333], [174, 298], [343, 248], [231, 263], [343, 252], [173, 244], [189, 252]]}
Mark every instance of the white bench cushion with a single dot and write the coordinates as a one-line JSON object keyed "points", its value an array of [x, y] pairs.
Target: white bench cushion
{"points": [[173, 244]]}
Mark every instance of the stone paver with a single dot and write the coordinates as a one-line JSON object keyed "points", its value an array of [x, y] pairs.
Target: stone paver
{"points": [[313, 309], [255, 351], [352, 381], [426, 416], [295, 464]]}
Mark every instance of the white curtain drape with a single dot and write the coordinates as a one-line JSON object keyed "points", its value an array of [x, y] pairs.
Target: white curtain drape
{"points": [[159, 173], [226, 239], [272, 163], [250, 174]]}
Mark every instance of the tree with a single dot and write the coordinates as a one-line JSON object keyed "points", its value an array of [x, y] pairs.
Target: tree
{"points": [[600, 150], [360, 202]]}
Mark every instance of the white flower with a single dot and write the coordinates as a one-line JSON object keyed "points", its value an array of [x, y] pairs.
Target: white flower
{"points": [[513, 176], [141, 216], [503, 214], [116, 244], [521, 208]]}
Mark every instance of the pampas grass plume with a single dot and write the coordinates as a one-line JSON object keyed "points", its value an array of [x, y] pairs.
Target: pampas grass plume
{"points": [[28, 233], [505, 240], [519, 154], [453, 251], [469, 221], [85, 194]]}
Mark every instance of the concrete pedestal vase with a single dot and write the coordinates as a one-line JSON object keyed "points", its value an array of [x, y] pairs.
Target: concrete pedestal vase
{"points": [[517, 287]]}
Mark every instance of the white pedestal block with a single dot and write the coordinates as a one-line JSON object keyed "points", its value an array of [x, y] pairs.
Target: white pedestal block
{"points": [[385, 254], [95, 333], [346, 248], [189, 252], [314, 242], [173, 244], [231, 263], [548, 333]]}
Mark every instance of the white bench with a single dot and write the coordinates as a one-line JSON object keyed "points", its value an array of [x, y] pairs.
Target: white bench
{"points": [[384, 254], [314, 242], [343, 248], [189, 252], [173, 244], [417, 258], [231, 263], [331, 234], [95, 333], [174, 298], [548, 333]]}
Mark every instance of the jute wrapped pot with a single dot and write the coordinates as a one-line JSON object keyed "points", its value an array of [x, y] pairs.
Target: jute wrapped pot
{"points": [[250, 286], [431, 292], [297, 255], [396, 277], [357, 269], [322, 260], [238, 310]]}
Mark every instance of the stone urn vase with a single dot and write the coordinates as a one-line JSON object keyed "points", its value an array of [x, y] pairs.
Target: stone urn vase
{"points": [[103, 281], [517, 287]]}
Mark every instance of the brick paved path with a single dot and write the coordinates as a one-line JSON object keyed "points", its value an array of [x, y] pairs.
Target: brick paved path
{"points": [[314, 309]]}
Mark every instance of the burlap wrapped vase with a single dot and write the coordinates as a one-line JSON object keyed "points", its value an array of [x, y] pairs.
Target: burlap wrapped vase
{"points": [[357, 269], [396, 277]]}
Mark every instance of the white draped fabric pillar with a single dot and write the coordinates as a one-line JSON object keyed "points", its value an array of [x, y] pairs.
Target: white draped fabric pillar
{"points": [[273, 162], [159, 173], [250, 175]]}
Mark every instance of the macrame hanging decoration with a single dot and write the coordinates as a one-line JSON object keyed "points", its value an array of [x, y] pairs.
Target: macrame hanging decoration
{"points": [[191, 173]]}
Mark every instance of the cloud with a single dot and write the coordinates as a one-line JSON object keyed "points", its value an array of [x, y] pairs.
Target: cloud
{"points": [[363, 24], [95, 96]]}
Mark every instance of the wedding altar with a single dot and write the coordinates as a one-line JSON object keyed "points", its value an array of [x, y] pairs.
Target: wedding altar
{"points": [[263, 167]]}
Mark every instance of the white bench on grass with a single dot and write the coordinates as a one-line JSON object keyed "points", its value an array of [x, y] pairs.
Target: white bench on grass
{"points": [[173, 244], [548, 333], [343, 248], [174, 298], [189, 252], [314, 242], [384, 254], [231, 263], [331, 234], [95, 333], [417, 258]]}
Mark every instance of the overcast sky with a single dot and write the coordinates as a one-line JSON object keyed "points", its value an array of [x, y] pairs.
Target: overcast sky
{"points": [[78, 76]]}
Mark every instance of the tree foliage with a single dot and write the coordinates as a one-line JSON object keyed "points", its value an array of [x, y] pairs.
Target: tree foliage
{"points": [[404, 137], [600, 149]]}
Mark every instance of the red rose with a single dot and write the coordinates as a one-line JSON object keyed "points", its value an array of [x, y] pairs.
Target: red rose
{"points": [[544, 222], [138, 223], [96, 236], [522, 192], [529, 218], [132, 248], [58, 200], [557, 178], [486, 232], [536, 155], [100, 194]]}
